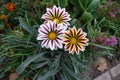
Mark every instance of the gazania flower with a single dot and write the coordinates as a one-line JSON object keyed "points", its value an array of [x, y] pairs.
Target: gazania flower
{"points": [[58, 15], [51, 35], [75, 40], [4, 17], [11, 7]]}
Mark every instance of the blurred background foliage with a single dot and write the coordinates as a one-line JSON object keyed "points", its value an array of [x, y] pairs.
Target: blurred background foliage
{"points": [[21, 51]]}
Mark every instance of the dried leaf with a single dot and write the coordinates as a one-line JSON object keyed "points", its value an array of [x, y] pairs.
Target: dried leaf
{"points": [[102, 65]]}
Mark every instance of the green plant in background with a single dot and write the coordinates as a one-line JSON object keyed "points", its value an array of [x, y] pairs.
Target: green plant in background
{"points": [[111, 11]]}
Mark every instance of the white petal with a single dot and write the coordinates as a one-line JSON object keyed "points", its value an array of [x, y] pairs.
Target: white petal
{"points": [[83, 49], [41, 37], [59, 43], [51, 45], [43, 43], [50, 12], [55, 9]]}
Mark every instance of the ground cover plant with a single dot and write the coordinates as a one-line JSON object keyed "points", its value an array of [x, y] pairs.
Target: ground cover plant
{"points": [[57, 39]]}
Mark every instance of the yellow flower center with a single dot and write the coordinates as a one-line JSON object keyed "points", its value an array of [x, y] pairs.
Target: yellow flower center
{"points": [[52, 35], [56, 20], [73, 41]]}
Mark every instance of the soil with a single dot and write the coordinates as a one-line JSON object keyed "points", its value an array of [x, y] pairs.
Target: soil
{"points": [[117, 78], [94, 72]]}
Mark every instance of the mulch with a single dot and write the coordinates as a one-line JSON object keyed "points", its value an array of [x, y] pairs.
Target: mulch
{"points": [[94, 72]]}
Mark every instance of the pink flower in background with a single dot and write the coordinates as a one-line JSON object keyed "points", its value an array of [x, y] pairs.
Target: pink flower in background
{"points": [[107, 42], [100, 38], [118, 10], [114, 41], [112, 15], [110, 41], [105, 6], [110, 3], [93, 40]]}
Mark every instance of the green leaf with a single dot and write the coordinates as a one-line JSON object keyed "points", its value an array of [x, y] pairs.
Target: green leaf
{"points": [[72, 73], [45, 76], [63, 3], [100, 46], [54, 66], [86, 3], [2, 59], [29, 29], [7, 68], [81, 5], [93, 5], [78, 4], [79, 62], [25, 64], [39, 65], [2, 75], [21, 76], [25, 26], [63, 77], [86, 16]]}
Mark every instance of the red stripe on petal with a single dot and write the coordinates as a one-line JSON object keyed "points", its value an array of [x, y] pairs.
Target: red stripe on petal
{"points": [[67, 41], [58, 43], [83, 42], [79, 31], [55, 12], [79, 46], [43, 32], [80, 35], [49, 11], [71, 48], [45, 28], [71, 33], [67, 46], [83, 39], [67, 35], [74, 32], [61, 13], [58, 38], [76, 49], [59, 30]]}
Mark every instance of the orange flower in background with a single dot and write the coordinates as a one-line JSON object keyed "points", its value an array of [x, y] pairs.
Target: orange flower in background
{"points": [[11, 7], [0, 28], [4, 17], [8, 25]]}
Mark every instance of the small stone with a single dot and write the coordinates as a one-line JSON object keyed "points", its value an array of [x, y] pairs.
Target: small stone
{"points": [[13, 76], [105, 76], [115, 70]]}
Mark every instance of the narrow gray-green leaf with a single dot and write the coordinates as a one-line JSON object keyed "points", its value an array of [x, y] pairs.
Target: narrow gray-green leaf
{"points": [[63, 3], [24, 64], [104, 47], [25, 26], [72, 73], [45, 76], [94, 4]]}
